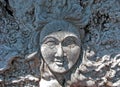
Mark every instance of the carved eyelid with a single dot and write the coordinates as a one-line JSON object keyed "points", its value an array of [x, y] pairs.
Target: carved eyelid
{"points": [[52, 39]]}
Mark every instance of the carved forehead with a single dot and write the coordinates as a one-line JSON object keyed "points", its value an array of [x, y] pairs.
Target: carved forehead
{"points": [[58, 26]]}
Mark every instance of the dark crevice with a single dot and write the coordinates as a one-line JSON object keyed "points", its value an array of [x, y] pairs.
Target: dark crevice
{"points": [[0, 3], [8, 9], [86, 28]]}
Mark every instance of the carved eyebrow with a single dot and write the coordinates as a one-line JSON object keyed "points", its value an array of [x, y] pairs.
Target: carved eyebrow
{"points": [[49, 37], [72, 35]]}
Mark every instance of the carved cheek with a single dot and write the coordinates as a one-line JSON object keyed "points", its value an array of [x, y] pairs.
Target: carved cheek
{"points": [[75, 52], [47, 53]]}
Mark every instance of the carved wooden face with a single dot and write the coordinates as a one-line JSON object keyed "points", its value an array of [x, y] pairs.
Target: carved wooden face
{"points": [[60, 49]]}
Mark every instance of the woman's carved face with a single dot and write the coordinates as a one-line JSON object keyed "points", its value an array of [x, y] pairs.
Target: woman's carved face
{"points": [[60, 49]]}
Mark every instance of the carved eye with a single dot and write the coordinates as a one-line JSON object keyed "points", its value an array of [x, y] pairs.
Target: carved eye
{"points": [[69, 42], [71, 45], [51, 43]]}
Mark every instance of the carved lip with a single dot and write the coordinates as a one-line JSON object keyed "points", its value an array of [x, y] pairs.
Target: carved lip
{"points": [[59, 62]]}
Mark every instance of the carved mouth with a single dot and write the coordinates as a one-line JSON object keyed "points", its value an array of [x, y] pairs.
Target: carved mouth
{"points": [[59, 62]]}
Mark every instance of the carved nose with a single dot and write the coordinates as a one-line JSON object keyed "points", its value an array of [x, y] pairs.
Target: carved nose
{"points": [[59, 52]]}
